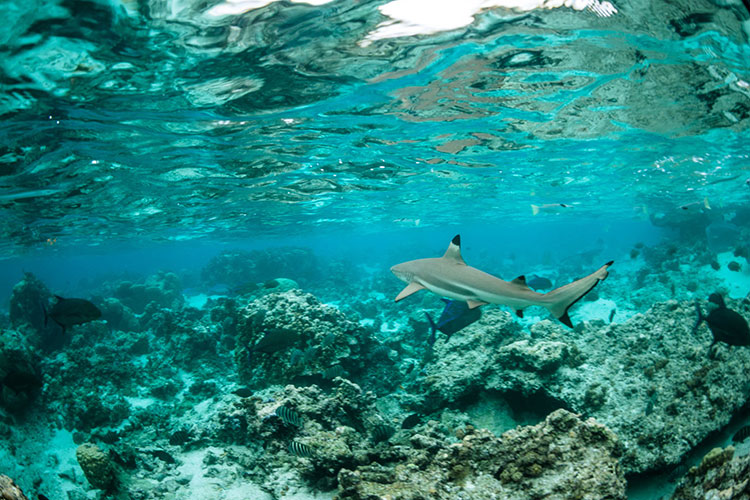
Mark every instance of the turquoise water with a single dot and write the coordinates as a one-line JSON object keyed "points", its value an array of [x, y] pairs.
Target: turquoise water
{"points": [[324, 142]]}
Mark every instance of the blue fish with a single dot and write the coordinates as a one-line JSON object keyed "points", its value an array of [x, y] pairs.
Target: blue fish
{"points": [[454, 317]]}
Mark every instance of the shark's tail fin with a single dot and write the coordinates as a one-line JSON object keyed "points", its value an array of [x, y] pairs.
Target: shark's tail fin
{"points": [[559, 300], [534, 209]]}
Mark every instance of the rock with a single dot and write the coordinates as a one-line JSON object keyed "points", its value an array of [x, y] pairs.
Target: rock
{"points": [[561, 457], [163, 289], [9, 490], [653, 370], [19, 376], [322, 336], [719, 476], [96, 466], [26, 302]]}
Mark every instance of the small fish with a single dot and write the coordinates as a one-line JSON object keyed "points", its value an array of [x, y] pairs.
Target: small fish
{"points": [[549, 207], [676, 473], [382, 432], [245, 289], [300, 449], [612, 314], [725, 324], [538, 283], [289, 416], [328, 340], [455, 316], [742, 434], [162, 455], [70, 312], [333, 372], [243, 392], [411, 421], [697, 205], [273, 340]]}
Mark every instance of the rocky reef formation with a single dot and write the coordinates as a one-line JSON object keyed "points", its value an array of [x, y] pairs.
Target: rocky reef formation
{"points": [[20, 379], [283, 337], [162, 290], [10, 490], [561, 457], [26, 302], [96, 466], [653, 370], [720, 476]]}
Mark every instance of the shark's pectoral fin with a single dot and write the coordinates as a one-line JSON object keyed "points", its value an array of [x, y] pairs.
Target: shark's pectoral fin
{"points": [[475, 303], [411, 288]]}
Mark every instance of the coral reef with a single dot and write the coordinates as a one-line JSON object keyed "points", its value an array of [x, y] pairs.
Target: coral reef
{"points": [[284, 336], [652, 369], [162, 290], [10, 490], [19, 373], [26, 302], [720, 475], [96, 466], [561, 457]]}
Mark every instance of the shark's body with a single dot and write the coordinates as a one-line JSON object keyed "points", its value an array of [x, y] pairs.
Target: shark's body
{"points": [[449, 276]]}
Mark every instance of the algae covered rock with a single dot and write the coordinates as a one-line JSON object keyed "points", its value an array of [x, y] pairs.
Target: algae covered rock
{"points": [[9, 490], [20, 379], [655, 370], [26, 302], [720, 475], [96, 466], [281, 336], [162, 289], [560, 458]]}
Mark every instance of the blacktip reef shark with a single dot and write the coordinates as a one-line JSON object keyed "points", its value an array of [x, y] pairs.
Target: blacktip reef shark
{"points": [[449, 276]]}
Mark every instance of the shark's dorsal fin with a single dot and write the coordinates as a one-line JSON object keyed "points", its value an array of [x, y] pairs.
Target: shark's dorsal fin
{"points": [[521, 282], [454, 250], [411, 288]]}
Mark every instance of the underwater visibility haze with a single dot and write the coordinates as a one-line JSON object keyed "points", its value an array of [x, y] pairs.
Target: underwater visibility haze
{"points": [[403, 249]]}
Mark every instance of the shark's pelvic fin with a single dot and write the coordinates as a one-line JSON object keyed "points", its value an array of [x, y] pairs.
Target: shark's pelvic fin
{"points": [[411, 288], [475, 303], [454, 250]]}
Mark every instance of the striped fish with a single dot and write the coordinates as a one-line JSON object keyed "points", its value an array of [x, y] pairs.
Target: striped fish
{"points": [[333, 372], [382, 432], [288, 416], [300, 449], [741, 434]]}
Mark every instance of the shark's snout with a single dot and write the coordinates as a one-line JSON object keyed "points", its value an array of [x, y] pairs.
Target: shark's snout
{"points": [[401, 273]]}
